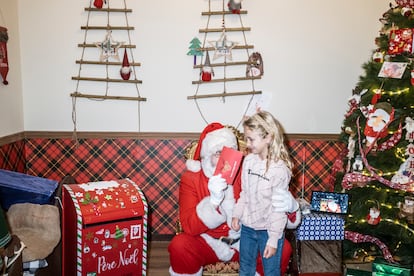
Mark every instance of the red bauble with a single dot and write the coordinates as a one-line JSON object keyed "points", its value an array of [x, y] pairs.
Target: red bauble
{"points": [[98, 4]]}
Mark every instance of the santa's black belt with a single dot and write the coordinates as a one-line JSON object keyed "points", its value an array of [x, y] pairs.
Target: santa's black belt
{"points": [[228, 240]]}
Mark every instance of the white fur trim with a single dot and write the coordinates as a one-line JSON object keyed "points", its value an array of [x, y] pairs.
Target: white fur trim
{"points": [[236, 246], [294, 224], [216, 140], [193, 165], [208, 213], [227, 205], [173, 273], [222, 250]]}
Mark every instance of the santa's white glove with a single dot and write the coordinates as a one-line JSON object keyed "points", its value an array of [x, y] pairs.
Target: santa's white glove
{"points": [[283, 201], [216, 186]]}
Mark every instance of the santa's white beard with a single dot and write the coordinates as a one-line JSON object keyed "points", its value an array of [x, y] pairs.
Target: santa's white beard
{"points": [[207, 167]]}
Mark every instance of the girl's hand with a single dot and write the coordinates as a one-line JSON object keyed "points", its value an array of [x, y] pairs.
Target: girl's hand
{"points": [[235, 224], [269, 252]]}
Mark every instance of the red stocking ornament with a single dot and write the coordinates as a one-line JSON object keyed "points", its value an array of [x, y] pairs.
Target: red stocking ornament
{"points": [[4, 64]]}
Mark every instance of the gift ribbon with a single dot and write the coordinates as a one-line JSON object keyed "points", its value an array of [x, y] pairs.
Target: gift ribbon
{"points": [[404, 187], [356, 237]]}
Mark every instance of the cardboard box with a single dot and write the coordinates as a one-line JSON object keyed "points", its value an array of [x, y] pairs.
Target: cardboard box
{"points": [[321, 226], [320, 256]]}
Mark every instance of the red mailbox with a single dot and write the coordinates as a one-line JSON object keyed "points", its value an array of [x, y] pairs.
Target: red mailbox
{"points": [[104, 229]]}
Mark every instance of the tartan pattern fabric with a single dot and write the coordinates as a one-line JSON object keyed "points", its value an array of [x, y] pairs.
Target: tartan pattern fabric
{"points": [[313, 161], [12, 156], [155, 165]]}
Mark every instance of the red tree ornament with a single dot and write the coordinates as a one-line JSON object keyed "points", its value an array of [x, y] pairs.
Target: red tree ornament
{"points": [[207, 71], [4, 63], [98, 3], [125, 69], [374, 217]]}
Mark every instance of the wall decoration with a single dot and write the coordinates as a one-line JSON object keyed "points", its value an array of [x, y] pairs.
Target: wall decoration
{"points": [[4, 63], [225, 38], [98, 69]]}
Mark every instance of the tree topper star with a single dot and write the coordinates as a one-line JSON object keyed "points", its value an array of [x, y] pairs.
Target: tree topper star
{"points": [[223, 47], [109, 47]]}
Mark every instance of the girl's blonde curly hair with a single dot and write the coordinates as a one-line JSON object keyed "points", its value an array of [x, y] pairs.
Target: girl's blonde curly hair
{"points": [[264, 123]]}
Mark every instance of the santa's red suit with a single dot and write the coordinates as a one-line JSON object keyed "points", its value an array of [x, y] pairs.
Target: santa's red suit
{"points": [[205, 214]]}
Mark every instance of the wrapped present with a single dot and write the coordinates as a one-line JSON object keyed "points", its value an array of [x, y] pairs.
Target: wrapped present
{"points": [[321, 226], [381, 267], [401, 40]]}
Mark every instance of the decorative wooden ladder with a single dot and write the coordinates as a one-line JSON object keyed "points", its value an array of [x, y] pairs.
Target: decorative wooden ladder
{"points": [[228, 62], [103, 75]]}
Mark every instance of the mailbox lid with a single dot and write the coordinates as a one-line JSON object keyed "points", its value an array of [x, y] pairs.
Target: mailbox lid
{"points": [[105, 201]]}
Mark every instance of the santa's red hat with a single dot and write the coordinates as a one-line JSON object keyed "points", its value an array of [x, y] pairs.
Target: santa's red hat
{"points": [[212, 139]]}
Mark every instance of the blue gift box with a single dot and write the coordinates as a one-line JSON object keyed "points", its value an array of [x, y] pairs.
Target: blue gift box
{"points": [[17, 187], [321, 226]]}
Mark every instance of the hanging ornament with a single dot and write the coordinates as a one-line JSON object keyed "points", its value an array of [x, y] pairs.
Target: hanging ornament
{"points": [[378, 56], [379, 117], [109, 47], [374, 217], [99, 3], [223, 47], [4, 64], [390, 69], [358, 165], [234, 6], [125, 70], [207, 71], [195, 45], [407, 209], [400, 41], [406, 11], [405, 173], [409, 126], [255, 65]]}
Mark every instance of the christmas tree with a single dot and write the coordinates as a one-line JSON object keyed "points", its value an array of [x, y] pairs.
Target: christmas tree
{"points": [[376, 167]]}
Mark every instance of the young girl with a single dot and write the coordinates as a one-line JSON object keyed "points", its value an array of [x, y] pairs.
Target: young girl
{"points": [[267, 167]]}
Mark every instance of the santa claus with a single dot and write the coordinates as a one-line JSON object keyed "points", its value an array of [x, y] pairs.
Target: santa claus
{"points": [[205, 209]]}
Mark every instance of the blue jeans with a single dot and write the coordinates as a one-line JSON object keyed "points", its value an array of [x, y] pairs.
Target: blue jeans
{"points": [[253, 242]]}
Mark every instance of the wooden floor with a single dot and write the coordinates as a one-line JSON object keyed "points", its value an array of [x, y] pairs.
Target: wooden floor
{"points": [[158, 258]]}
